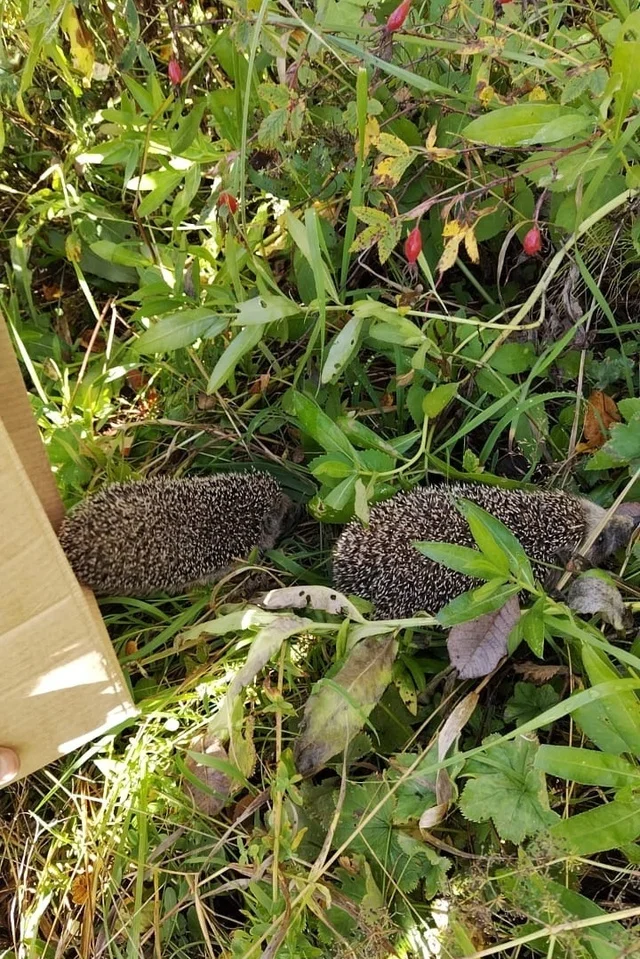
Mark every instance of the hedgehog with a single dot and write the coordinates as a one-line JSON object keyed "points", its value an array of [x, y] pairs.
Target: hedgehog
{"points": [[166, 535], [381, 564]]}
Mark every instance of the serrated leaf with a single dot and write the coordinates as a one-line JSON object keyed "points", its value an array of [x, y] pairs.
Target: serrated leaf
{"points": [[180, 329], [273, 127], [388, 242], [372, 217], [338, 708], [392, 146], [528, 701], [477, 646], [509, 790]]}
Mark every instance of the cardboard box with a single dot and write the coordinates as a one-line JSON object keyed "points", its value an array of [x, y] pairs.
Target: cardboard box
{"points": [[61, 683]]}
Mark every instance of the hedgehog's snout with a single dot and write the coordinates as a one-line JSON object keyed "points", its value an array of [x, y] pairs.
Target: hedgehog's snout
{"points": [[615, 535], [280, 519]]}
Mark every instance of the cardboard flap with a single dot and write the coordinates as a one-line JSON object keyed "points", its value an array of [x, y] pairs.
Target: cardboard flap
{"points": [[61, 682], [20, 424]]}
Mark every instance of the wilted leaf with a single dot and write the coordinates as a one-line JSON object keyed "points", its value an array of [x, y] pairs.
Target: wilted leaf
{"points": [[80, 41], [315, 597], [217, 784], [537, 674], [601, 413], [265, 644], [476, 647], [389, 171], [338, 708], [508, 789], [594, 592], [455, 723]]}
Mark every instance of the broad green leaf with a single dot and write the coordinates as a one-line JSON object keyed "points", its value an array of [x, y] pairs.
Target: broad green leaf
{"points": [[439, 397], [477, 602], [625, 65], [587, 766], [265, 309], [364, 437], [614, 724], [341, 495], [532, 626], [608, 826], [180, 329], [528, 701], [318, 425], [492, 536], [124, 254], [331, 466], [525, 123], [623, 445], [508, 789], [461, 558], [240, 345], [337, 708], [161, 184], [342, 349], [396, 331]]}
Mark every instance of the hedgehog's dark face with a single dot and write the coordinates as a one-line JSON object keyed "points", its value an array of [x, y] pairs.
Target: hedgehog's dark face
{"points": [[282, 516], [615, 535]]}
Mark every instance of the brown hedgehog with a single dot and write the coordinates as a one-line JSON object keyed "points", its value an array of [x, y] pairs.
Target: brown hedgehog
{"points": [[164, 535], [381, 564]]}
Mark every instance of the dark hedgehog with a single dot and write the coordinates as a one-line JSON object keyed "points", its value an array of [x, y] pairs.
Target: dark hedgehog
{"points": [[381, 564], [164, 535]]}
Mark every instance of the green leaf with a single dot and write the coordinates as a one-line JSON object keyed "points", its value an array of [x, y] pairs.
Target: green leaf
{"points": [[608, 826], [625, 64], [508, 789], [273, 128], [180, 329], [587, 766], [439, 397], [528, 701], [477, 602], [464, 560], [338, 708], [342, 349], [265, 309], [161, 183], [623, 445], [525, 123], [614, 724], [240, 346], [495, 539], [532, 626], [318, 425]]}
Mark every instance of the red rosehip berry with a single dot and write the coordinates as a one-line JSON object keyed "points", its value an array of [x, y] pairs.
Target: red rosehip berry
{"points": [[228, 200], [413, 245], [397, 18], [532, 242], [175, 72]]}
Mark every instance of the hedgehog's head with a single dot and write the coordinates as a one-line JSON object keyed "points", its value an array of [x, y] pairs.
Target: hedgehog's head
{"points": [[281, 516], [614, 535]]}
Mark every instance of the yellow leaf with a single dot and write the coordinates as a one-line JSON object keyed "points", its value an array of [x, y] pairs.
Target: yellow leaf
{"points": [[388, 172], [371, 134], [537, 94], [452, 9], [471, 245], [431, 137], [392, 146], [80, 41], [453, 228], [486, 95], [449, 254]]}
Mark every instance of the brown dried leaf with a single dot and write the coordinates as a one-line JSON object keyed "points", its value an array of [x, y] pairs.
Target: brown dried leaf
{"points": [[537, 674], [592, 593], [601, 413], [476, 647], [81, 889], [214, 796]]}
